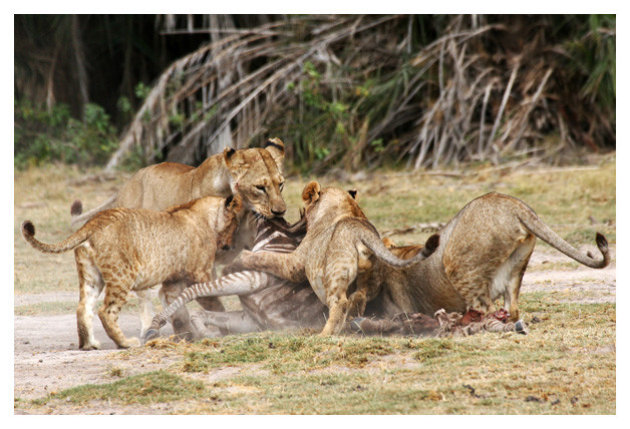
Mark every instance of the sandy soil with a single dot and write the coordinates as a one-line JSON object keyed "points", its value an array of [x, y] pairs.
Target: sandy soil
{"points": [[47, 358]]}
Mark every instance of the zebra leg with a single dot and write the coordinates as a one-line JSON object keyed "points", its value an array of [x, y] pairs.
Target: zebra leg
{"points": [[205, 331], [232, 322], [180, 318], [240, 283]]}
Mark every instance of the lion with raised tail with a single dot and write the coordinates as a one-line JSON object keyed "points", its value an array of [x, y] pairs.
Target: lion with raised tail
{"points": [[482, 256], [123, 250], [340, 243]]}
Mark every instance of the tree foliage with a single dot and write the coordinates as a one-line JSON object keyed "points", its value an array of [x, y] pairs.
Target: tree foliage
{"points": [[348, 91]]}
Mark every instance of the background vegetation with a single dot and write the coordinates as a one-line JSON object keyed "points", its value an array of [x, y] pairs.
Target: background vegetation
{"points": [[350, 91]]}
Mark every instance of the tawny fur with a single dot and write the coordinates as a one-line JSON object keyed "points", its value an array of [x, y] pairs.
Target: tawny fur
{"points": [[340, 243], [163, 185], [385, 281], [483, 253], [255, 174], [272, 303], [122, 250]]}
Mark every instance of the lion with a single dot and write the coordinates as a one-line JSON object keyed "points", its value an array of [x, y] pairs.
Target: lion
{"points": [[256, 174], [122, 250], [482, 255], [339, 244]]}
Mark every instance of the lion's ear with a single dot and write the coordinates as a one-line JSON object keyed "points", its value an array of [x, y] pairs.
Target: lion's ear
{"points": [[228, 153], [388, 242], [234, 203], [311, 192], [275, 147], [353, 193]]}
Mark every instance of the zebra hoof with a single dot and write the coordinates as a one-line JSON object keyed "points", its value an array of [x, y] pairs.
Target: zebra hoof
{"points": [[150, 335], [520, 327], [355, 324]]}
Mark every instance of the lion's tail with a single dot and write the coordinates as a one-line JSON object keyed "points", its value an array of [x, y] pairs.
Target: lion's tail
{"points": [[79, 218], [28, 231], [542, 231], [373, 243]]}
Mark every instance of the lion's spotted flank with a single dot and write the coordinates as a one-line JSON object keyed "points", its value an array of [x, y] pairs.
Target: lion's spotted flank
{"points": [[122, 250]]}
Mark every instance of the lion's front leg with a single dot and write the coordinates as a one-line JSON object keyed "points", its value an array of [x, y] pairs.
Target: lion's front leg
{"points": [[289, 266]]}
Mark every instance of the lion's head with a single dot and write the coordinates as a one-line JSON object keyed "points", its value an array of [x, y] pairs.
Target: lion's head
{"points": [[256, 175], [329, 203]]}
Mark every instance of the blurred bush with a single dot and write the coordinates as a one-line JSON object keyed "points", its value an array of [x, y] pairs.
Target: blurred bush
{"points": [[45, 135]]}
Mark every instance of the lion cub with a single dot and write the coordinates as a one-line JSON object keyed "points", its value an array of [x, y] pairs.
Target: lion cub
{"points": [[125, 250], [482, 257], [340, 243]]}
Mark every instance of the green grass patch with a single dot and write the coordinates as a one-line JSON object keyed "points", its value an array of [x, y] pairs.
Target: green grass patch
{"points": [[435, 348], [153, 387], [282, 353], [571, 346]]}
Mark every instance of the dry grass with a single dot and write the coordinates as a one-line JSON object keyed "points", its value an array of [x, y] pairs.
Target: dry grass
{"points": [[567, 365]]}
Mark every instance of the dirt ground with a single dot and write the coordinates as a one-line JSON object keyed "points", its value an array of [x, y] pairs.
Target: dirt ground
{"points": [[47, 358]]}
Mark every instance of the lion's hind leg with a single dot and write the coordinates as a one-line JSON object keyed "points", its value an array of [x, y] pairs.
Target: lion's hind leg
{"points": [[146, 315], [517, 263], [357, 301], [479, 282], [182, 326], [116, 294], [90, 287], [336, 282]]}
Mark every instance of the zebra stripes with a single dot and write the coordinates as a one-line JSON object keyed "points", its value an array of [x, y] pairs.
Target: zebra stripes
{"points": [[271, 303], [272, 235], [239, 283]]}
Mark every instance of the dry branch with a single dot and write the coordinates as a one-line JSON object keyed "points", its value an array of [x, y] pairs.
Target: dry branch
{"points": [[451, 100]]}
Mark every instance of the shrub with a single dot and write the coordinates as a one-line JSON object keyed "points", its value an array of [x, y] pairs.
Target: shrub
{"points": [[54, 135]]}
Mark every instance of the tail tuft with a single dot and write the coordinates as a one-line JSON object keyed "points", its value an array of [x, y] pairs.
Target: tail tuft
{"points": [[602, 245], [601, 241], [431, 244], [76, 208], [28, 228]]}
